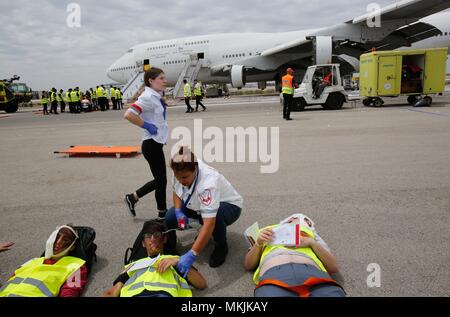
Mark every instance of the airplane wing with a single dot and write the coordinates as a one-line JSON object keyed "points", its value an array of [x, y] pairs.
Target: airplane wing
{"points": [[405, 14], [290, 47], [406, 9]]}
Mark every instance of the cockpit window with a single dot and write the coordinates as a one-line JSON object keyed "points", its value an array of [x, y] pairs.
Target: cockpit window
{"points": [[130, 50]]}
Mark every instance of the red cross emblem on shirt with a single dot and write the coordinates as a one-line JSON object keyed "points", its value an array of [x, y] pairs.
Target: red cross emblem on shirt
{"points": [[205, 197]]}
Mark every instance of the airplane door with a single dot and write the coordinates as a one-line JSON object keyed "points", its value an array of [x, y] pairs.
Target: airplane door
{"points": [[388, 76]]}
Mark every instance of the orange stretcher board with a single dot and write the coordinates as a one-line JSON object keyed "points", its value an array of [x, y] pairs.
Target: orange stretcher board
{"points": [[95, 150]]}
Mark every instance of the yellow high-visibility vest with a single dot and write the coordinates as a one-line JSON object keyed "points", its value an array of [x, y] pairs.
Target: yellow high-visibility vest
{"points": [[36, 279], [198, 89], [68, 99], [52, 96], [187, 90], [149, 279], [74, 96], [306, 251]]}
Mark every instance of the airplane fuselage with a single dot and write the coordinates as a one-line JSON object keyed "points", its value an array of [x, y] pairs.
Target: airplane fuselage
{"points": [[234, 48]]}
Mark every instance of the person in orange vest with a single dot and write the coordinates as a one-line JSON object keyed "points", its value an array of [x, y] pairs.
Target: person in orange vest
{"points": [[297, 268], [287, 89]]}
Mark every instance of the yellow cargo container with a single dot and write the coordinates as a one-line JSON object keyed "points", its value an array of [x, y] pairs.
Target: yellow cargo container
{"points": [[413, 73]]}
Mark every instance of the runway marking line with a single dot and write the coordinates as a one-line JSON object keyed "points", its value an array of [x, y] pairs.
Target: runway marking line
{"points": [[430, 113]]}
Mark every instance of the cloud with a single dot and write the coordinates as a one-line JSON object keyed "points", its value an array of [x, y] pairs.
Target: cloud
{"points": [[37, 44]]}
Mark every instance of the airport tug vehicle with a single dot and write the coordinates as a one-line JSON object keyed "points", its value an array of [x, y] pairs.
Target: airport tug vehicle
{"points": [[333, 95], [416, 74]]}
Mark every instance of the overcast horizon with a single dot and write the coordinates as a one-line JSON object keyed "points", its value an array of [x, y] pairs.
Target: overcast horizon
{"points": [[37, 44]]}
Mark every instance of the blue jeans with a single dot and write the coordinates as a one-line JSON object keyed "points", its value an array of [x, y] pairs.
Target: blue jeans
{"points": [[226, 215]]}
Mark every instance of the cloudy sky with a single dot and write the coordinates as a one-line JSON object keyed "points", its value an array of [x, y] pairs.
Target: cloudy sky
{"points": [[37, 44]]}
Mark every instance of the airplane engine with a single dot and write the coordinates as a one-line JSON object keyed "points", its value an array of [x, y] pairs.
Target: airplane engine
{"points": [[237, 76], [323, 48]]}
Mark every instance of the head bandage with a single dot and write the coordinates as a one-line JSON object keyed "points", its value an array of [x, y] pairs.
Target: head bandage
{"points": [[51, 242], [305, 221]]}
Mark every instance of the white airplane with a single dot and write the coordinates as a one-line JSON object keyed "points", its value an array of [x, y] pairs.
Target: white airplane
{"points": [[259, 57]]}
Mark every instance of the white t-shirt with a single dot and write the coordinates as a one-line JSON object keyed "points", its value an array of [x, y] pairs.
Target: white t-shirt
{"points": [[211, 189], [150, 108]]}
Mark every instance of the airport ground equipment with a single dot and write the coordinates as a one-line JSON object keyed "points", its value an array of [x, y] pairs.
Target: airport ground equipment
{"points": [[94, 150], [413, 73], [12, 94], [333, 97], [8, 102]]}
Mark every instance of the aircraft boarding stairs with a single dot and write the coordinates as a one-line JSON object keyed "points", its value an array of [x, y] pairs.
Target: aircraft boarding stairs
{"points": [[134, 84], [189, 72]]}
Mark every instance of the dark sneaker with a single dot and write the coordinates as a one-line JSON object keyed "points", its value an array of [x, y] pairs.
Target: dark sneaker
{"points": [[161, 216], [130, 202], [288, 119], [219, 255]]}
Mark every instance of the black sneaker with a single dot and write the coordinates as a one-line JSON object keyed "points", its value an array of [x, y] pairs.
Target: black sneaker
{"points": [[130, 202], [219, 255], [161, 216]]}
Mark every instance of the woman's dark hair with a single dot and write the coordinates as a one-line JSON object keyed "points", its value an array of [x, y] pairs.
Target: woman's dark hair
{"points": [[184, 160], [151, 73]]}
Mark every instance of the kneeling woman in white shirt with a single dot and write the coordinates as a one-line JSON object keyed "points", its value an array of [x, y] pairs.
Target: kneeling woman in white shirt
{"points": [[201, 192]]}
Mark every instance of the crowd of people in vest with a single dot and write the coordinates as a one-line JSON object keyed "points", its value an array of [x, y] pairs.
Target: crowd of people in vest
{"points": [[93, 99], [200, 194]]}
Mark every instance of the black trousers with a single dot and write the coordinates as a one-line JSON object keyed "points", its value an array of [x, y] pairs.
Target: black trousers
{"points": [[198, 102], [114, 103], [287, 105], [54, 108], [154, 154], [62, 104], [188, 104]]}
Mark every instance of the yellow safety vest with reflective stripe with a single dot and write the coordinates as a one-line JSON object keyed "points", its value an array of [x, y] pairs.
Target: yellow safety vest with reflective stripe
{"points": [[118, 94], [36, 279], [99, 92], [198, 89], [59, 97], [112, 93], [306, 251], [74, 96], [149, 279], [52, 96], [94, 94], [44, 100], [187, 90], [68, 99], [287, 84]]}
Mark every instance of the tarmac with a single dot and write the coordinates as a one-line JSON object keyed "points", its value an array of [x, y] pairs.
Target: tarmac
{"points": [[376, 182]]}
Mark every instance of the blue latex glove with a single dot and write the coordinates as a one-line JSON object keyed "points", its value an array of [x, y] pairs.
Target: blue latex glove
{"points": [[185, 262], [151, 128], [182, 220]]}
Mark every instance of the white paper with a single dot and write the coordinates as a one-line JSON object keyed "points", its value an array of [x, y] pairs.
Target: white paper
{"points": [[251, 233], [143, 264], [285, 234]]}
